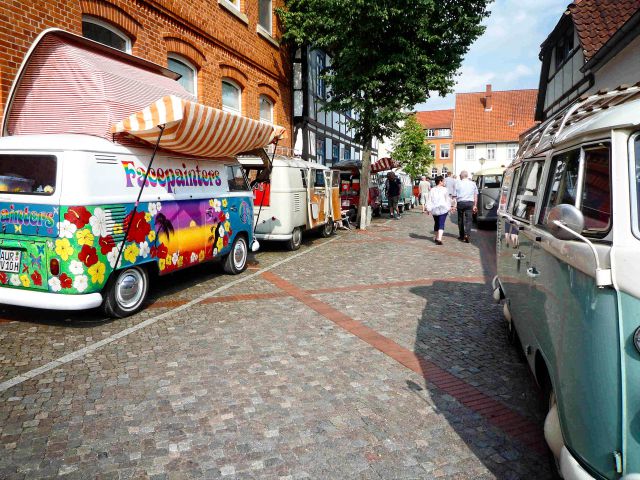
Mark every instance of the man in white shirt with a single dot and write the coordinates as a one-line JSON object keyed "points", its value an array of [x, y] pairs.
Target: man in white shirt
{"points": [[450, 184], [424, 186], [466, 202]]}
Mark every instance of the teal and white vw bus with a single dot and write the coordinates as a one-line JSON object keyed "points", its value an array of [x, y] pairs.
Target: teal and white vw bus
{"points": [[568, 254]]}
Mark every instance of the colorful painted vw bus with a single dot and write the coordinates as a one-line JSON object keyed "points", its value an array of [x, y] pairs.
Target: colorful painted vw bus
{"points": [[568, 250], [120, 176]]}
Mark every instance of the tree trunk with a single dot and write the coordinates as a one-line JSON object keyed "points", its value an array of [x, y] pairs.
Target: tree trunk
{"points": [[365, 174]]}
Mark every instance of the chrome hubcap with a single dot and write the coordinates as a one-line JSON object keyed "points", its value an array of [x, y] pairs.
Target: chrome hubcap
{"points": [[130, 289], [239, 253], [297, 236]]}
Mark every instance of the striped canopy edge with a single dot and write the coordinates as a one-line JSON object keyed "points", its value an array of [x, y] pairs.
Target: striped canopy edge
{"points": [[195, 129], [383, 164]]}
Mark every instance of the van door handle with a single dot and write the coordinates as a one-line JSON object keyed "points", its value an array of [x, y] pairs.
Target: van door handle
{"points": [[533, 272], [233, 208], [519, 256]]}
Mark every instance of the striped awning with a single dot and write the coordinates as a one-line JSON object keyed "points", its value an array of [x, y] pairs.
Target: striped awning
{"points": [[195, 129], [383, 164]]}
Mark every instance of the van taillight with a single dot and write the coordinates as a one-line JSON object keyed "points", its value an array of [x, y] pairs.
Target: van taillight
{"points": [[54, 267]]}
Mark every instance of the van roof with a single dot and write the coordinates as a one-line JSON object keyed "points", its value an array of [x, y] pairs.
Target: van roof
{"points": [[490, 171], [605, 110], [60, 142]]}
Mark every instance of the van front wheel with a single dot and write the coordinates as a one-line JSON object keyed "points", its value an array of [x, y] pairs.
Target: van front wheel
{"points": [[326, 229], [236, 261], [126, 292], [295, 240]]}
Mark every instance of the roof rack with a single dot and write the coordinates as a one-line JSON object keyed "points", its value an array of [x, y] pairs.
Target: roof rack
{"points": [[544, 135]]}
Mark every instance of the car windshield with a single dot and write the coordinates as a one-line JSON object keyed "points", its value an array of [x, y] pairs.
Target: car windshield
{"points": [[492, 181], [28, 174]]}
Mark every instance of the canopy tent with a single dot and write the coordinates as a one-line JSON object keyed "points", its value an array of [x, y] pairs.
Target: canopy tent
{"points": [[195, 129], [383, 164]]}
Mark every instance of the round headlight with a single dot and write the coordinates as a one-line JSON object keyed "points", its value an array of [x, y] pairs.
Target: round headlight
{"points": [[636, 339]]}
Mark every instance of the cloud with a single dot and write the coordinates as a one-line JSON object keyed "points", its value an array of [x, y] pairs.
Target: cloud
{"points": [[507, 53]]}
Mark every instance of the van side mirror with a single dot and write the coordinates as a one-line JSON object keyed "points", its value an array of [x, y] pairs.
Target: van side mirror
{"points": [[566, 215]]}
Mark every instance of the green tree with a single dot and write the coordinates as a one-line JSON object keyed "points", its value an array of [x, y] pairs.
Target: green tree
{"points": [[386, 55], [411, 150]]}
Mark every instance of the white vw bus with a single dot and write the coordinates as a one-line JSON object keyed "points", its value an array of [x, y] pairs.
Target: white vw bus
{"points": [[568, 252]]}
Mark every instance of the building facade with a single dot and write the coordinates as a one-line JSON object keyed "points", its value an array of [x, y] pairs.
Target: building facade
{"points": [[487, 127], [320, 135], [227, 51], [438, 128], [595, 46]]}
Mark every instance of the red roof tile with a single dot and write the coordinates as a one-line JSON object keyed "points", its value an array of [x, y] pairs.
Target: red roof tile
{"points": [[597, 20], [511, 114], [435, 118]]}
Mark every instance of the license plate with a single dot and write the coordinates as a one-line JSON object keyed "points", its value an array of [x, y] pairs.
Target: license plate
{"points": [[10, 261]]}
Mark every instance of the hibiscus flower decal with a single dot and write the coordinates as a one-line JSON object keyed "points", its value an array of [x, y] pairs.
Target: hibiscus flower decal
{"points": [[88, 255], [37, 278], [3, 278], [139, 228], [106, 244], [79, 216], [65, 281]]}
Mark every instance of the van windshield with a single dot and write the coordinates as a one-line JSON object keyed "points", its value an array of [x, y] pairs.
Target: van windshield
{"points": [[28, 174], [492, 181]]}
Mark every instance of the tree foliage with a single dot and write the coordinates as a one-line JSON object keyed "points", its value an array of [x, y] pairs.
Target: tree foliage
{"points": [[411, 150]]}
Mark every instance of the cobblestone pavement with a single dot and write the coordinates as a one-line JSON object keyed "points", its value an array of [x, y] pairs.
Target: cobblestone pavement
{"points": [[372, 354]]}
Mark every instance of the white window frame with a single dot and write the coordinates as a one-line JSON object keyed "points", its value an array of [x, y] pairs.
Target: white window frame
{"points": [[444, 132], [491, 151], [470, 153], [239, 88], [512, 149], [443, 150], [179, 58], [271, 105], [266, 29], [111, 28], [430, 132]]}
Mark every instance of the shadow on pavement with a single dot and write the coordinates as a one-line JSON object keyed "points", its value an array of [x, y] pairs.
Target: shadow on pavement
{"points": [[462, 332]]}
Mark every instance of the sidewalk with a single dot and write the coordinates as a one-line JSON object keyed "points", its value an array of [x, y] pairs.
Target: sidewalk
{"points": [[372, 354]]}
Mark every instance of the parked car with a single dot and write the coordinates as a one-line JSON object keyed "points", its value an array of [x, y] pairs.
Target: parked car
{"points": [[568, 250], [350, 189], [488, 182], [293, 196]]}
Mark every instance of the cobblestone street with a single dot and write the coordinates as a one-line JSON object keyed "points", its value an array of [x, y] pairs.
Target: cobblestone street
{"points": [[373, 355]]}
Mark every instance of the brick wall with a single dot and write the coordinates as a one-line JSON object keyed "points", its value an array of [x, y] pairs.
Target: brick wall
{"points": [[219, 42]]}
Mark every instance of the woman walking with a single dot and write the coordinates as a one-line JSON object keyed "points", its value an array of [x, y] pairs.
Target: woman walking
{"points": [[438, 205]]}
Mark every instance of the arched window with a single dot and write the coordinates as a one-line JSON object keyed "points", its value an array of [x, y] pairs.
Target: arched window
{"points": [[102, 32], [231, 96], [266, 109], [189, 78], [434, 172]]}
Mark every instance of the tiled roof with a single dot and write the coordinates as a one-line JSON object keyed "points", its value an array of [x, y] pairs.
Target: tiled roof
{"points": [[435, 118], [511, 114], [597, 20]]}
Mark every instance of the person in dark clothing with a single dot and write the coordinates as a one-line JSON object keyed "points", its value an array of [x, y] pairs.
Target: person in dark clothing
{"points": [[392, 187]]}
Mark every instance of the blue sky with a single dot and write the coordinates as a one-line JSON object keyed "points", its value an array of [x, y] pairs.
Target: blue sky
{"points": [[506, 56]]}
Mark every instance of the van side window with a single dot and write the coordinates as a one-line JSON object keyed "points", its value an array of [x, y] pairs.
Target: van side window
{"points": [[527, 189], [563, 181], [514, 184], [28, 174], [303, 173], [236, 179], [596, 189], [319, 178]]}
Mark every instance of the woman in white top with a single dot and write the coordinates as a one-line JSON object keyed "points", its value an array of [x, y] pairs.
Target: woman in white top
{"points": [[438, 205]]}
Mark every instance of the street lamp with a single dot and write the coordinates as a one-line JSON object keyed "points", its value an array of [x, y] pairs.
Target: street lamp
{"points": [[482, 160]]}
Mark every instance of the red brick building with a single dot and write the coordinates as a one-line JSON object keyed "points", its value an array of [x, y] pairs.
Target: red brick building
{"points": [[218, 46], [438, 127]]}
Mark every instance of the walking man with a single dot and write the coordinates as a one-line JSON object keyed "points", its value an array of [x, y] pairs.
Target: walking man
{"points": [[392, 187], [424, 186], [466, 202], [450, 184]]}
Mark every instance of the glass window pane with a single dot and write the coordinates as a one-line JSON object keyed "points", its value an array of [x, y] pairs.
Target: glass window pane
{"points": [[266, 109], [596, 192], [265, 15], [230, 96], [188, 74], [236, 179], [28, 174], [563, 181], [527, 193], [103, 35]]}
